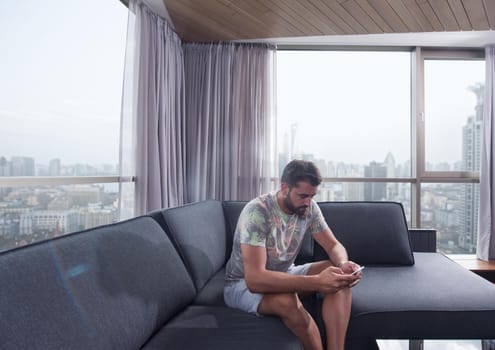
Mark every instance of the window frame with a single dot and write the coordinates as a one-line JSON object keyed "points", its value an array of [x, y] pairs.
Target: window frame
{"points": [[419, 114], [418, 138], [35, 181], [419, 175]]}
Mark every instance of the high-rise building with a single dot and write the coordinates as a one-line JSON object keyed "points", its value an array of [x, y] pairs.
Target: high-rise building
{"points": [[22, 166], [353, 191], [392, 188], [54, 222], [54, 167], [471, 158], [4, 171], [81, 195], [294, 151], [96, 216], [4, 167], [375, 191]]}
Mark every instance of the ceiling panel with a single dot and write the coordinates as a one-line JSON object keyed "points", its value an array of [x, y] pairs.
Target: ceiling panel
{"points": [[221, 20]]}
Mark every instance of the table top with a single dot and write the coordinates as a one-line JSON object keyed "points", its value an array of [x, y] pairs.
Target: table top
{"points": [[471, 262]]}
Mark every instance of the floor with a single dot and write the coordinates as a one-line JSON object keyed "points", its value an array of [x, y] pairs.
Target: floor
{"points": [[432, 345]]}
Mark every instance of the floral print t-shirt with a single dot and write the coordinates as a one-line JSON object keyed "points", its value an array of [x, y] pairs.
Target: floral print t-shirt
{"points": [[263, 224]]}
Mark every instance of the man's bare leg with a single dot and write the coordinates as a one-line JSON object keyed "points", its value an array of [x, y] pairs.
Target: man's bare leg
{"points": [[336, 311], [289, 308]]}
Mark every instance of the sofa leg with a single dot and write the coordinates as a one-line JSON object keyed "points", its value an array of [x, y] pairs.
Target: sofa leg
{"points": [[416, 344], [488, 344]]}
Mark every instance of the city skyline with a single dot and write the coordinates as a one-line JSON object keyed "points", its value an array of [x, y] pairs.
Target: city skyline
{"points": [[30, 214], [17, 165], [451, 208], [44, 169]]}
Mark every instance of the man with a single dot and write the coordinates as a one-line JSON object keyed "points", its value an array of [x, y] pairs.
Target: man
{"points": [[261, 277]]}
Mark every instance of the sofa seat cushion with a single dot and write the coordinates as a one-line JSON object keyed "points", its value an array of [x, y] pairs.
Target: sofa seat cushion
{"points": [[212, 292], [218, 328], [434, 299]]}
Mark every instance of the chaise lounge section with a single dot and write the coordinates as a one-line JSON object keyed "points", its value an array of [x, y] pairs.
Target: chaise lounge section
{"points": [[407, 294]]}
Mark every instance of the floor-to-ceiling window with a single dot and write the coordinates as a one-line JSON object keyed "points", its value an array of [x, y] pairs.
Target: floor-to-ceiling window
{"points": [[450, 116], [398, 125], [61, 73]]}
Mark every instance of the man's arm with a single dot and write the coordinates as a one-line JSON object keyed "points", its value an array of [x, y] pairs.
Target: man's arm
{"points": [[261, 280], [335, 250]]}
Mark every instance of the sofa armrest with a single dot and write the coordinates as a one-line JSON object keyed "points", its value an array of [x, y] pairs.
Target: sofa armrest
{"points": [[423, 239]]}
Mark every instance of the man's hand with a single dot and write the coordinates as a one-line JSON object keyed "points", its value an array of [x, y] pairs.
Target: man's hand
{"points": [[349, 267], [333, 279]]}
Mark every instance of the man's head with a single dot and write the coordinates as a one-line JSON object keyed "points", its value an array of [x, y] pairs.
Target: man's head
{"points": [[299, 184], [301, 170]]}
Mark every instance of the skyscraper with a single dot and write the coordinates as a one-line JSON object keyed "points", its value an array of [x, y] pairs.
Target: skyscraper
{"points": [[391, 187], [54, 167], [22, 166], [471, 158], [294, 142], [4, 167], [375, 191]]}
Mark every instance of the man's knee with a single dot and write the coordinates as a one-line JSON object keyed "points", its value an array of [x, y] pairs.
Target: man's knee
{"points": [[344, 295], [340, 300]]}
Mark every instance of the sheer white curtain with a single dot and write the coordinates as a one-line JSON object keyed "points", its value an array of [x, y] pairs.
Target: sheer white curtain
{"points": [[486, 230], [153, 124], [221, 146], [230, 120]]}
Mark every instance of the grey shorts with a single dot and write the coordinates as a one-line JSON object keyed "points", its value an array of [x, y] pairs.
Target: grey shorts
{"points": [[238, 296]]}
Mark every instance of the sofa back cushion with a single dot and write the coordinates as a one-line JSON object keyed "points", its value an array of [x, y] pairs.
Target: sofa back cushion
{"points": [[374, 233], [232, 210], [110, 287], [198, 232]]}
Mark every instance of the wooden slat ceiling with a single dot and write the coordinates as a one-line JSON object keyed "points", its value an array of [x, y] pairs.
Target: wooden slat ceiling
{"points": [[222, 20]]}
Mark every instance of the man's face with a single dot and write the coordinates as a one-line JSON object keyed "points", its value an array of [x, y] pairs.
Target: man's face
{"points": [[298, 198]]}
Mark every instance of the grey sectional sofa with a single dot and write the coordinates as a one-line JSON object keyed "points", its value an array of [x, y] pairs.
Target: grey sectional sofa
{"points": [[156, 281]]}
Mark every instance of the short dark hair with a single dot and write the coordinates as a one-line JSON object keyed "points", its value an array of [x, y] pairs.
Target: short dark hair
{"points": [[301, 170]]}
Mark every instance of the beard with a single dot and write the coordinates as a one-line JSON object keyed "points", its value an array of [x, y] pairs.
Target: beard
{"points": [[295, 210]]}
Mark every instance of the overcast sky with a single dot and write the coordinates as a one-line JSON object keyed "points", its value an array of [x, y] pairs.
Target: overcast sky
{"points": [[355, 107], [61, 79], [340, 101], [61, 83]]}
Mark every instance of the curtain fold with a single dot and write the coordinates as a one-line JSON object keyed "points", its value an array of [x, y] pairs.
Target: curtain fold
{"points": [[486, 230], [127, 122], [197, 119], [153, 109], [230, 120]]}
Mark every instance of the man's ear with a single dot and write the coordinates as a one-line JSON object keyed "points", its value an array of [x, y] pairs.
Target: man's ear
{"points": [[284, 187]]}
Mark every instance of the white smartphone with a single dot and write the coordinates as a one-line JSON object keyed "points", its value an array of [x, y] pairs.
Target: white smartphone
{"points": [[358, 270]]}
